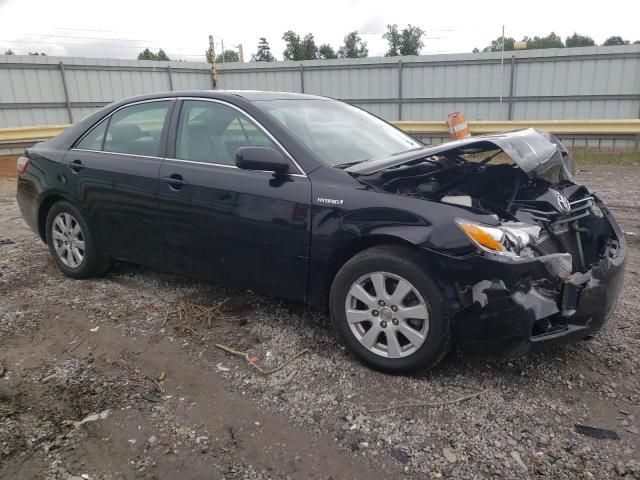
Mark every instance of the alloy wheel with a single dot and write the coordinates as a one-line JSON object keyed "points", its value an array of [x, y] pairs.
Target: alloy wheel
{"points": [[68, 240], [387, 314]]}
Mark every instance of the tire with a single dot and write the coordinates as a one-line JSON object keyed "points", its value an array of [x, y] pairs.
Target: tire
{"points": [[72, 244], [423, 310]]}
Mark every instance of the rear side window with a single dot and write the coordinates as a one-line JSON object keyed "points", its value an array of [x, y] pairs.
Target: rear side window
{"points": [[212, 132], [135, 130]]}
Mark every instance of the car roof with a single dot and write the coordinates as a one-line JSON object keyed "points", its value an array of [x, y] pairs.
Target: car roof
{"points": [[249, 95]]}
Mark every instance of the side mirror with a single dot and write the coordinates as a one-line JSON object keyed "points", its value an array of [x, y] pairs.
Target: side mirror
{"points": [[261, 158]]}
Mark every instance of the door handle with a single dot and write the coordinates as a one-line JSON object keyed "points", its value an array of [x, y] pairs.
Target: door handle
{"points": [[175, 181], [75, 166]]}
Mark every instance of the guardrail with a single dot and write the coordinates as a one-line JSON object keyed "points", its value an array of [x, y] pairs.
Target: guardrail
{"points": [[557, 127], [23, 137], [12, 138]]}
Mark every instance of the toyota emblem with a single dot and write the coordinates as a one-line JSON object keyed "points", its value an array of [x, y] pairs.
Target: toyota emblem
{"points": [[563, 203]]}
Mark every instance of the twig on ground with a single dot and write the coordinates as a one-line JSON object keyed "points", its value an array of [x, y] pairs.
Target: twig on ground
{"points": [[233, 435], [166, 318], [246, 356], [434, 404], [187, 312], [75, 346], [70, 350], [150, 398]]}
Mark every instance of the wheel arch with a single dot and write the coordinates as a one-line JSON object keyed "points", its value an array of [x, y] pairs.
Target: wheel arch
{"points": [[348, 251], [43, 210]]}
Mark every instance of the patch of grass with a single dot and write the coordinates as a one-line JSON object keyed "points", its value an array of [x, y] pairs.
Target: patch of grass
{"points": [[594, 156]]}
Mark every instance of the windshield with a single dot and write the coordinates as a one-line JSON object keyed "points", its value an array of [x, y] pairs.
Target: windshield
{"points": [[338, 133]]}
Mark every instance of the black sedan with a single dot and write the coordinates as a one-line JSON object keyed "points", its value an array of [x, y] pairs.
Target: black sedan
{"points": [[480, 245]]}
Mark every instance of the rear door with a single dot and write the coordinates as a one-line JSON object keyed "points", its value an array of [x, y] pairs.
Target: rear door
{"points": [[248, 228], [115, 169]]}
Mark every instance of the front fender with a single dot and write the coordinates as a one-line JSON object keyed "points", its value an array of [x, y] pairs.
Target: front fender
{"points": [[361, 218]]}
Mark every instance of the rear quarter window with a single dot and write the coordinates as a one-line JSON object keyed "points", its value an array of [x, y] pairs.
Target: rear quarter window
{"points": [[136, 129], [94, 140]]}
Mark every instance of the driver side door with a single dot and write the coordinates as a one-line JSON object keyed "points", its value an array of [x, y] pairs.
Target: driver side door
{"points": [[242, 227]]}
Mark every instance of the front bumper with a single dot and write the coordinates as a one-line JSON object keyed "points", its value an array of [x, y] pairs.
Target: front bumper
{"points": [[507, 308]]}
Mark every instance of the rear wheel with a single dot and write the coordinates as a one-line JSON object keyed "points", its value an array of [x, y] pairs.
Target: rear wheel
{"points": [[72, 244], [389, 312]]}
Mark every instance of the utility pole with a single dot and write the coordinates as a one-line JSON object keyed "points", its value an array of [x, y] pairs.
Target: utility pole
{"points": [[212, 56], [502, 72], [222, 49], [241, 53]]}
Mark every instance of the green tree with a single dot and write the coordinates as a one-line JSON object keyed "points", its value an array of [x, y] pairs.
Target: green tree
{"points": [[353, 47], [299, 49], [637, 42], [147, 54], [496, 45], [577, 40], [162, 56], [309, 47], [475, 50], [407, 41], [9, 52], [228, 56], [294, 46], [326, 52], [38, 54], [412, 41], [394, 40], [615, 40], [264, 52], [550, 41]]}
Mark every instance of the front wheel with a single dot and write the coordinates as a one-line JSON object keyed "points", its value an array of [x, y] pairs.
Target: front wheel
{"points": [[389, 312]]}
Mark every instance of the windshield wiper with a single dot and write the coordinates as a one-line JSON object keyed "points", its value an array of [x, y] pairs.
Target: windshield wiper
{"points": [[348, 164]]}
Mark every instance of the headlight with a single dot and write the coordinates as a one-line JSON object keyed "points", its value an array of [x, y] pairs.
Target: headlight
{"points": [[509, 238]]}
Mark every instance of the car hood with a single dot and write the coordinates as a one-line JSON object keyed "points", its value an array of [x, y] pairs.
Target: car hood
{"points": [[536, 152]]}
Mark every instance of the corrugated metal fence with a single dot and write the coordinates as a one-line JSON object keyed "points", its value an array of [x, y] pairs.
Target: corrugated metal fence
{"points": [[37, 90], [553, 84], [570, 83]]}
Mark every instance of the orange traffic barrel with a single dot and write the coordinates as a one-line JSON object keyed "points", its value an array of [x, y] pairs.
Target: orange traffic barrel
{"points": [[458, 127]]}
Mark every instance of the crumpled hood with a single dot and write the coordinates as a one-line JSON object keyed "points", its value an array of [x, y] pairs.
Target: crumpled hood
{"points": [[536, 152]]}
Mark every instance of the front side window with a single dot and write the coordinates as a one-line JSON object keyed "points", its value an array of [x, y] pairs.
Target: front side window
{"points": [[339, 134], [212, 132], [136, 129]]}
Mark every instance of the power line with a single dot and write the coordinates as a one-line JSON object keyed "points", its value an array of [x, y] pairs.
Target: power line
{"points": [[142, 43], [101, 47]]}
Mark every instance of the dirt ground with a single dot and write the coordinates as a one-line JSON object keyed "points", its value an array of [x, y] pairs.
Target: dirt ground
{"points": [[8, 165], [133, 356]]}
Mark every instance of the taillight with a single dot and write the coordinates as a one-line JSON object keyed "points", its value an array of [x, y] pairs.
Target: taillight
{"points": [[23, 163]]}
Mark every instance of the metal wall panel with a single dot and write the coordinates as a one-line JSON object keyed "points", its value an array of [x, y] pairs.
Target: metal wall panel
{"points": [[32, 90], [569, 83], [26, 117], [285, 80]]}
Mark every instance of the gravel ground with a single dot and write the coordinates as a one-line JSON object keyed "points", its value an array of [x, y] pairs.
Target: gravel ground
{"points": [[137, 349]]}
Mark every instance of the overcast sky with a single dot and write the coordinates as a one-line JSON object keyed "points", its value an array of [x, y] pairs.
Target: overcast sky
{"points": [[121, 28]]}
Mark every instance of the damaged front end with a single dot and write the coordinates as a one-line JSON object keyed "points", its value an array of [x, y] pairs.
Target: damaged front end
{"points": [[549, 267]]}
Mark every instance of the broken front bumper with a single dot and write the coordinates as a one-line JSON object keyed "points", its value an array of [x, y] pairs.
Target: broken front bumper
{"points": [[512, 307]]}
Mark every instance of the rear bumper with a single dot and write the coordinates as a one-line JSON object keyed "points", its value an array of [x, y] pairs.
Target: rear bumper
{"points": [[29, 202], [510, 308]]}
